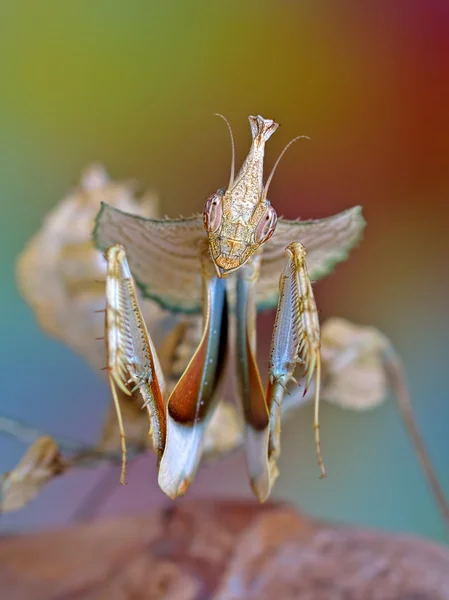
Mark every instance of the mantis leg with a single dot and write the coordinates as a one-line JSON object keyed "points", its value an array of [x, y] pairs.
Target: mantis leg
{"points": [[296, 339], [177, 427], [131, 358]]}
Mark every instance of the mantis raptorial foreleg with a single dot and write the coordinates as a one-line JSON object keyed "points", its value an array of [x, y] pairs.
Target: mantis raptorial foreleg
{"points": [[178, 425], [131, 358], [296, 339], [297, 332]]}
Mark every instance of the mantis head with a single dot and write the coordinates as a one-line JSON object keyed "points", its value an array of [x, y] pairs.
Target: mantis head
{"points": [[239, 219]]}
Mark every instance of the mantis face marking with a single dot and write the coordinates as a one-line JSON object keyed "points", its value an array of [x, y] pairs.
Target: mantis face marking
{"points": [[240, 218]]}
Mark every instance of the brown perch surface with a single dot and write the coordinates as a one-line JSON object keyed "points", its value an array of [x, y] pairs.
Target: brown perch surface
{"points": [[212, 550]]}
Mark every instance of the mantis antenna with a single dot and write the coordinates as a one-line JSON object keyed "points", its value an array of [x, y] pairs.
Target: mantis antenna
{"points": [[231, 179], [316, 421], [270, 176]]}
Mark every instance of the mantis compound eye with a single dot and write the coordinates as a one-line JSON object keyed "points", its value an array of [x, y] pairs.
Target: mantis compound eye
{"points": [[213, 212], [266, 226]]}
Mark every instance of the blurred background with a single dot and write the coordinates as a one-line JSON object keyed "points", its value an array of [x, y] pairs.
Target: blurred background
{"points": [[135, 85]]}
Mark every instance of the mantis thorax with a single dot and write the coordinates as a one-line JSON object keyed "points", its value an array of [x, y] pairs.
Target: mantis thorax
{"points": [[240, 218]]}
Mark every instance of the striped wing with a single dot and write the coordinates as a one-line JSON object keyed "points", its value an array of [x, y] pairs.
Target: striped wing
{"points": [[162, 254], [327, 242]]}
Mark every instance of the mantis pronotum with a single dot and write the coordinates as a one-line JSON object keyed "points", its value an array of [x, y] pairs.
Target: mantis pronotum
{"points": [[234, 250]]}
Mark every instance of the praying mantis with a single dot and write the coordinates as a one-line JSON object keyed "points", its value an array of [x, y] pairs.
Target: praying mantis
{"points": [[241, 256], [227, 264]]}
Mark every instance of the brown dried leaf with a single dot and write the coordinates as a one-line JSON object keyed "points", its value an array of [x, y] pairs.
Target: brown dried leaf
{"points": [[41, 462], [224, 433], [218, 550], [354, 371], [60, 273]]}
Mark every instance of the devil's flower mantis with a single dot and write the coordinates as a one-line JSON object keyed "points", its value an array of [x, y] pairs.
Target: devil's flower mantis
{"points": [[228, 263], [240, 256]]}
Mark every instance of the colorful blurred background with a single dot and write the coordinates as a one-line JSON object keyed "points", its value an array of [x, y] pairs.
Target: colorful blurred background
{"points": [[135, 85]]}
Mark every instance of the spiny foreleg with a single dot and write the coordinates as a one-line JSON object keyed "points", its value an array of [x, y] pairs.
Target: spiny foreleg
{"points": [[178, 425], [131, 358], [296, 339], [296, 334]]}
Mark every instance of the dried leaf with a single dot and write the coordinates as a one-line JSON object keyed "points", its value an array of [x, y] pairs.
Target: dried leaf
{"points": [[61, 274], [221, 551], [355, 375], [41, 462], [224, 433]]}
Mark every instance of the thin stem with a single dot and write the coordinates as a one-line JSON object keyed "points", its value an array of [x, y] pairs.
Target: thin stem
{"points": [[78, 453], [396, 375], [25, 433]]}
